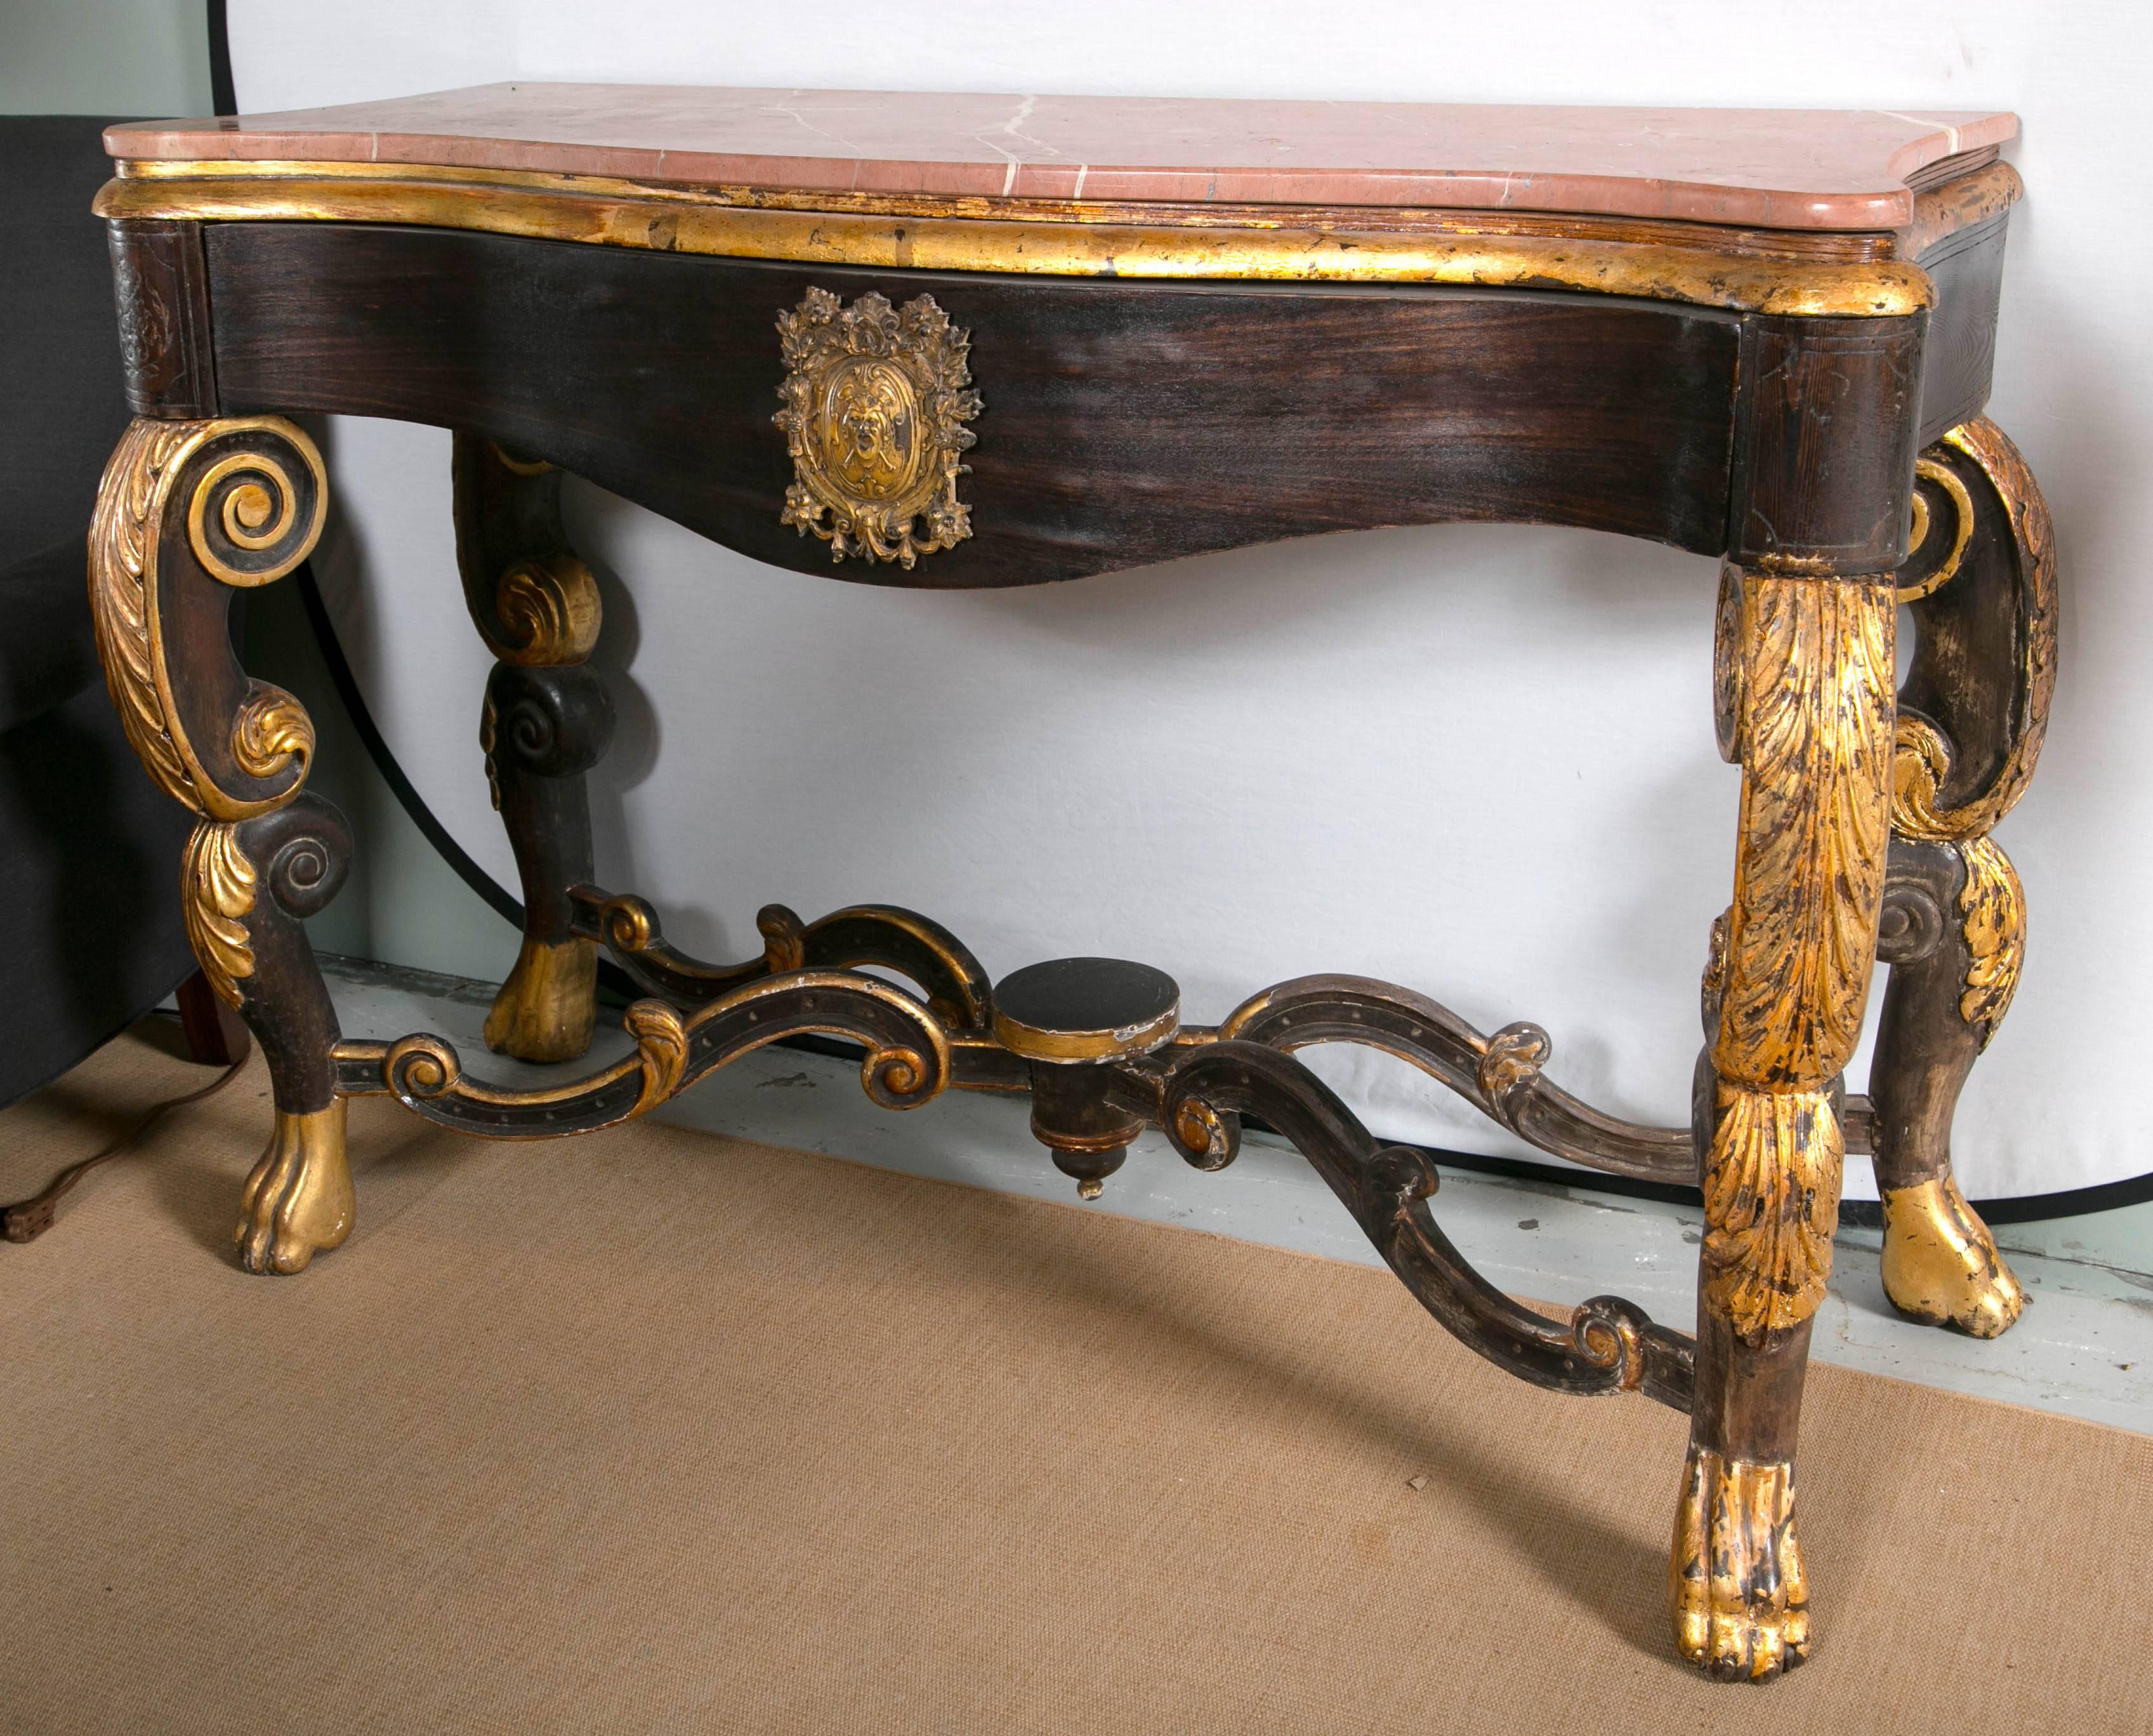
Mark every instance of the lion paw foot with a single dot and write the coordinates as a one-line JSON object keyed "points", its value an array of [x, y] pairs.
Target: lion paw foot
{"points": [[1941, 1264], [1740, 1603], [298, 1201]]}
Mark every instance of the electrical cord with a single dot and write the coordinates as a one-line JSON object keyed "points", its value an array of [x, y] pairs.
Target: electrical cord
{"points": [[27, 1220]]}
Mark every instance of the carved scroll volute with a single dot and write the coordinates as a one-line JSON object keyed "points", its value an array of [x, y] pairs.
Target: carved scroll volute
{"points": [[237, 502], [1982, 586], [533, 600], [1814, 744]]}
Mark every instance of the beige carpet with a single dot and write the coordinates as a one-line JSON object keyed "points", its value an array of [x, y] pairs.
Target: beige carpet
{"points": [[654, 1431]]}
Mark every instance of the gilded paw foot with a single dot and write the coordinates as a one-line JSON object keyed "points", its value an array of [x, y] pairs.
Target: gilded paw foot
{"points": [[1741, 1605], [1941, 1264], [298, 1200], [547, 1008]]}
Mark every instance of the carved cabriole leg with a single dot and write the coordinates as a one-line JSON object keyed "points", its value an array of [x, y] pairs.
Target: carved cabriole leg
{"points": [[1980, 588], [543, 730], [187, 512], [1940, 1263], [1804, 681], [290, 863], [546, 722]]}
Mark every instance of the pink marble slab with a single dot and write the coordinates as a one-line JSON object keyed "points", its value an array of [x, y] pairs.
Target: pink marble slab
{"points": [[1816, 169]]}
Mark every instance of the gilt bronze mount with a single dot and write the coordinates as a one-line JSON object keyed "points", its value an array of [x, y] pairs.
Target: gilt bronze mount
{"points": [[875, 408]]}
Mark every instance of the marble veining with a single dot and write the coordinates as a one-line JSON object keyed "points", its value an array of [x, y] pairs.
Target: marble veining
{"points": [[1790, 169]]}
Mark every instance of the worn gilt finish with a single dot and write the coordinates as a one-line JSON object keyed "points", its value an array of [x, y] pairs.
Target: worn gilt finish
{"points": [[1924, 758], [1941, 1264], [1803, 406], [1213, 245], [1815, 755], [1771, 1206], [1803, 695], [1741, 1599], [1927, 583], [546, 1009], [1993, 910], [1986, 607], [1811, 724], [876, 401], [1814, 662]]}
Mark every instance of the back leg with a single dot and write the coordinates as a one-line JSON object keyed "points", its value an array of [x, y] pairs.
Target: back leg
{"points": [[1944, 998], [1980, 585]]}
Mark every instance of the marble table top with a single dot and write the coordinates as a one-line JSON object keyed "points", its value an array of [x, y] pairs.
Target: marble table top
{"points": [[1813, 169]]}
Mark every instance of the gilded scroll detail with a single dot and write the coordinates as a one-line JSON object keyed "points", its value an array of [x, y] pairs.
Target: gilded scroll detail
{"points": [[876, 401], [661, 1043], [1992, 908], [549, 611], [272, 729], [1814, 831], [1510, 1068], [1771, 1207], [1922, 758], [251, 517], [420, 1066], [217, 886], [1927, 470]]}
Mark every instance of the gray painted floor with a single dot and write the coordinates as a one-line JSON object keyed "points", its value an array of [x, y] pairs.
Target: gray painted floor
{"points": [[2084, 1348]]}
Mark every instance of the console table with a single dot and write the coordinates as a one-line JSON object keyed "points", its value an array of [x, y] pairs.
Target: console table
{"points": [[978, 341]]}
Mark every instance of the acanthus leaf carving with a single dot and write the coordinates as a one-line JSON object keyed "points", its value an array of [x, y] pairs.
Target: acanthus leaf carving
{"points": [[1816, 828], [1993, 910], [218, 884], [272, 729], [123, 540], [661, 1042], [1771, 1207]]}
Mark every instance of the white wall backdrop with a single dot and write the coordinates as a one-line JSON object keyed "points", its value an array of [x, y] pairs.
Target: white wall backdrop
{"points": [[1475, 761]]}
